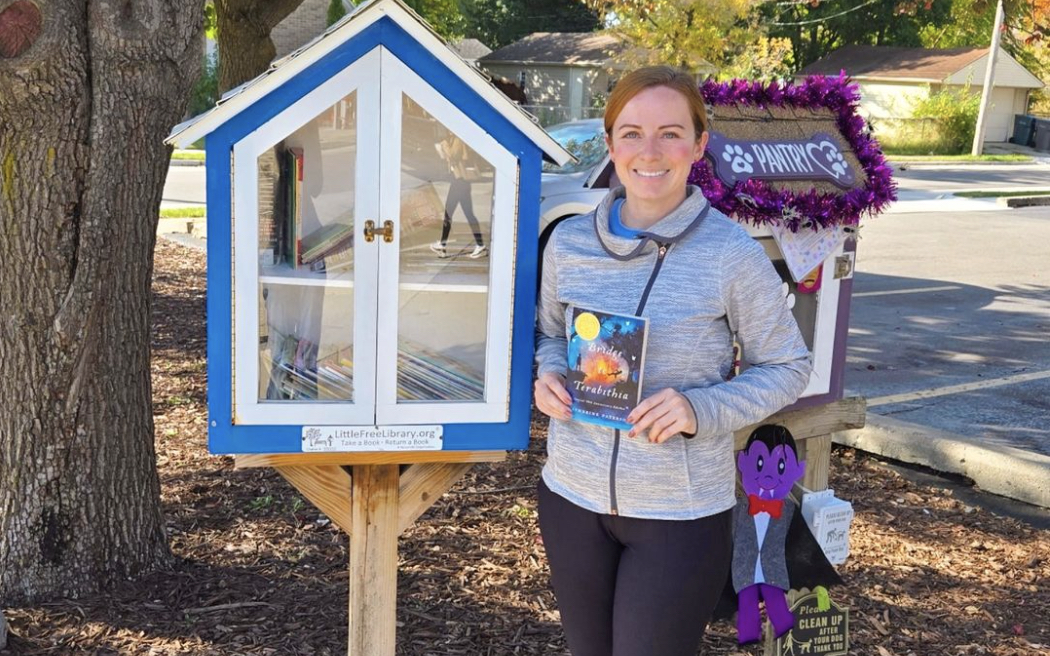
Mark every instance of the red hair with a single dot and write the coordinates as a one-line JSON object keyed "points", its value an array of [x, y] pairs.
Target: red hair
{"points": [[657, 76]]}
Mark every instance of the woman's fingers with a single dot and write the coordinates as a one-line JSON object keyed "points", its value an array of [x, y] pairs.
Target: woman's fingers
{"points": [[663, 414], [552, 398]]}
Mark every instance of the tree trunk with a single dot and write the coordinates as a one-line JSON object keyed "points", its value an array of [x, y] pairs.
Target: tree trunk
{"points": [[86, 100], [245, 46]]}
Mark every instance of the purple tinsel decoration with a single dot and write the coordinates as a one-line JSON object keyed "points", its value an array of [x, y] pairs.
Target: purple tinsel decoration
{"points": [[756, 201]]}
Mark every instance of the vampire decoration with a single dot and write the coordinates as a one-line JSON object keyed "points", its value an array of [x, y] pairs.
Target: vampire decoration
{"points": [[773, 548]]}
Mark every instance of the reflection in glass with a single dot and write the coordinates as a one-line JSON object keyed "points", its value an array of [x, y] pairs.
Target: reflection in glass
{"points": [[306, 258], [446, 224]]}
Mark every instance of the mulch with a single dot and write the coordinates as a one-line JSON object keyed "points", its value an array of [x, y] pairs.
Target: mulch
{"points": [[257, 570]]}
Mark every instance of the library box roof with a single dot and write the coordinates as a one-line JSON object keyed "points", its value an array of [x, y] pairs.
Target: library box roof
{"points": [[385, 22]]}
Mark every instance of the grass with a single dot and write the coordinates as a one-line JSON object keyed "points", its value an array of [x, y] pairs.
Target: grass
{"points": [[195, 155], [1002, 194], [183, 213], [958, 158]]}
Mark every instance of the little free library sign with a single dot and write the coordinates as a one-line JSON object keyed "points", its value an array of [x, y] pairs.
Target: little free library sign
{"points": [[818, 157]]}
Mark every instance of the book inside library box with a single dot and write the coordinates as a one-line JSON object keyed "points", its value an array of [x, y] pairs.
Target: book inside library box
{"points": [[306, 261]]}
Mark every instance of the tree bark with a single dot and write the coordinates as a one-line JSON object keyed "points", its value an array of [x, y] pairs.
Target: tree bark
{"points": [[82, 165], [245, 46]]}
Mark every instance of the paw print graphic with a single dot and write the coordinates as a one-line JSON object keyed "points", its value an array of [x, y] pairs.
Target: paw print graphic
{"points": [[738, 159], [789, 298], [837, 163]]}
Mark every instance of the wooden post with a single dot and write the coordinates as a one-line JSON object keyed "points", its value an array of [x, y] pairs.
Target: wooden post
{"points": [[373, 559], [816, 451]]}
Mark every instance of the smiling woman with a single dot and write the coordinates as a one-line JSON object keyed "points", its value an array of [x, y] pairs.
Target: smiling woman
{"points": [[636, 525]]}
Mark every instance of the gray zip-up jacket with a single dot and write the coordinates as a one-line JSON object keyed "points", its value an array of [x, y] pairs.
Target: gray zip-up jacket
{"points": [[694, 273]]}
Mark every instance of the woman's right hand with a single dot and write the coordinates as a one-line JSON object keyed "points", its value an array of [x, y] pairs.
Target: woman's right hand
{"points": [[552, 398]]}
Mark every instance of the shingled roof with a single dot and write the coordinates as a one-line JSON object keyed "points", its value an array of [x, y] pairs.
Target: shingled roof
{"points": [[568, 48], [883, 62]]}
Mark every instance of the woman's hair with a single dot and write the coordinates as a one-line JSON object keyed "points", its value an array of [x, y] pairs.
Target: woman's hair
{"points": [[656, 76]]}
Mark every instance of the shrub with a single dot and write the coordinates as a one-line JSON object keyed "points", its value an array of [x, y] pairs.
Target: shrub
{"points": [[955, 113]]}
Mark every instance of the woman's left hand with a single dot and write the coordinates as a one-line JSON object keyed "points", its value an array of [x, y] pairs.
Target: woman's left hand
{"points": [[663, 414]]}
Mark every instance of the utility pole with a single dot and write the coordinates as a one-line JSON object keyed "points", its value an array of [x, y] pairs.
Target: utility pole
{"points": [[989, 81]]}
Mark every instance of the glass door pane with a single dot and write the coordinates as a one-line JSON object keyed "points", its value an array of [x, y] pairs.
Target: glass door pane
{"points": [[446, 207], [306, 209]]}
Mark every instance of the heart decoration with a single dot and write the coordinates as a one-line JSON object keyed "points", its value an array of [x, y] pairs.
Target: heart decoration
{"points": [[828, 157], [20, 25]]}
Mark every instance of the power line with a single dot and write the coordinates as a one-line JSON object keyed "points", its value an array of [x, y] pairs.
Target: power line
{"points": [[826, 18]]}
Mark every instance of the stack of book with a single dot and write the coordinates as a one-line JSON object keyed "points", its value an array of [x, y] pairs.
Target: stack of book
{"points": [[327, 247], [298, 374], [426, 375]]}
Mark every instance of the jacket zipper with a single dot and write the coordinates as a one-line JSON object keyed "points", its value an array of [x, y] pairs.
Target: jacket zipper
{"points": [[660, 255]]}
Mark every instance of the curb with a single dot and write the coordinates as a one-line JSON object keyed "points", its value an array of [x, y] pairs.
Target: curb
{"points": [[1002, 470], [185, 162], [1024, 201]]}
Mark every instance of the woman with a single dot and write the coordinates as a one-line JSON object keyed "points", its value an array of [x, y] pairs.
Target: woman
{"points": [[637, 525]]}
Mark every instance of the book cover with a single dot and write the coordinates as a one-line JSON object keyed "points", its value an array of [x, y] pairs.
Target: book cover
{"points": [[606, 362]]}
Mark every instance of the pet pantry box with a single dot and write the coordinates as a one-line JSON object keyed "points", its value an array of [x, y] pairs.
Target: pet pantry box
{"points": [[333, 325], [797, 166]]}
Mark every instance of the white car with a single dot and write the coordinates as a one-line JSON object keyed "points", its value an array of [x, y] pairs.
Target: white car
{"points": [[575, 188]]}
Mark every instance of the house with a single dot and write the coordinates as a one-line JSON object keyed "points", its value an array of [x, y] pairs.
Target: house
{"points": [[893, 79], [306, 22], [471, 50], [563, 74]]}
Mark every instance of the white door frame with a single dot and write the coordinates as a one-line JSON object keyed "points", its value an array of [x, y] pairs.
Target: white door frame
{"points": [[397, 78], [362, 76]]}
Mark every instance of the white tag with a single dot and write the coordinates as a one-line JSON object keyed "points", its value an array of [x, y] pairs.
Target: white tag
{"points": [[372, 438]]}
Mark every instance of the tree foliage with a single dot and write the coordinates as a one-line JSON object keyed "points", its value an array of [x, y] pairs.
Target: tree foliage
{"points": [[445, 16], [499, 22], [817, 27], [336, 11], [687, 34]]}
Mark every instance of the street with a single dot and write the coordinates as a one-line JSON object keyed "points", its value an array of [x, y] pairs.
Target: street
{"points": [[949, 322]]}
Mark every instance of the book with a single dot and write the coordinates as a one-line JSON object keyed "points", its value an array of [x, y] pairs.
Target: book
{"points": [[293, 201], [606, 363], [326, 240]]}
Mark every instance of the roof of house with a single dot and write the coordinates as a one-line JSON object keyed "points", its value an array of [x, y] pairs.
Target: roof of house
{"points": [[575, 48], [895, 63], [282, 70], [471, 49]]}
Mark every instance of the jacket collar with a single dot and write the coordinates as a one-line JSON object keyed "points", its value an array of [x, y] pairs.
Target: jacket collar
{"points": [[673, 227]]}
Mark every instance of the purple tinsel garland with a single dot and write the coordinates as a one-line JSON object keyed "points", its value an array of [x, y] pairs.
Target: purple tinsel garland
{"points": [[756, 201]]}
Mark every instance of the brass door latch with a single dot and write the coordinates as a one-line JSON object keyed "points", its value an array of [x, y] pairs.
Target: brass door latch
{"points": [[387, 231]]}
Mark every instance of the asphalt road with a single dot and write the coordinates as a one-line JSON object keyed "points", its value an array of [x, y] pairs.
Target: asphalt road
{"points": [[950, 319]]}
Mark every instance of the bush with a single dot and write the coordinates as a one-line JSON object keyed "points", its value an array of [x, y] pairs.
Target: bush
{"points": [[955, 114]]}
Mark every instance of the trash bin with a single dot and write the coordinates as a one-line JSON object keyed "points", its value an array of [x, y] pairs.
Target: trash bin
{"points": [[1042, 135], [1024, 132]]}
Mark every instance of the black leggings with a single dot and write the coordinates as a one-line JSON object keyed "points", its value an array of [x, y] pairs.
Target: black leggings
{"points": [[633, 587], [459, 196]]}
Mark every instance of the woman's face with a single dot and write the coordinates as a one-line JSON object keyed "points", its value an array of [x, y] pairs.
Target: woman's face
{"points": [[653, 146]]}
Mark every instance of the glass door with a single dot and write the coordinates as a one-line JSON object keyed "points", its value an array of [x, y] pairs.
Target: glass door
{"points": [[305, 279], [450, 192]]}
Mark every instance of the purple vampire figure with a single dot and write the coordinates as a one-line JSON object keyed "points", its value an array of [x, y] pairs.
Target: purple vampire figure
{"points": [[768, 467]]}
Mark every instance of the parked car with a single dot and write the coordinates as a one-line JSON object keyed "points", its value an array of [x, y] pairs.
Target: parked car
{"points": [[578, 187]]}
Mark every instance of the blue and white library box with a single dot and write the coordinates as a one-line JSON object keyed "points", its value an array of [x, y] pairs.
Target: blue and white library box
{"points": [[342, 315]]}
